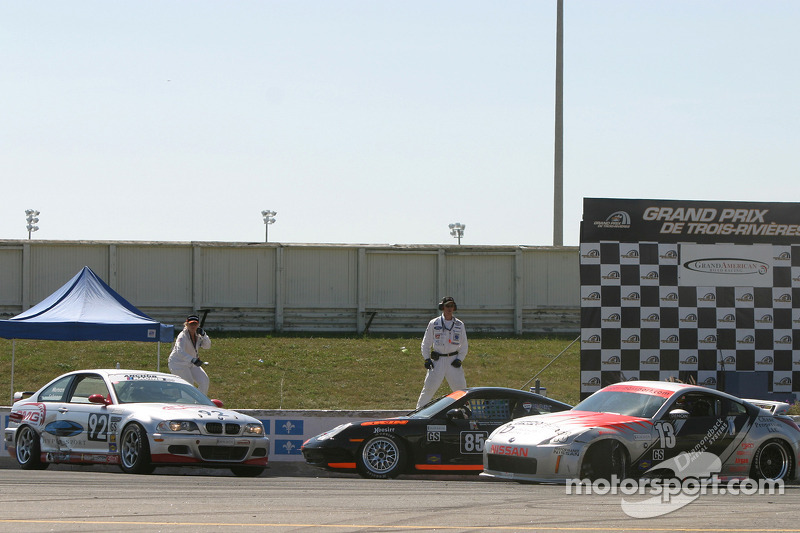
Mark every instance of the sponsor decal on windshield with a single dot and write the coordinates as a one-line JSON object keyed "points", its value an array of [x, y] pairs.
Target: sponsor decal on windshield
{"points": [[641, 390], [145, 377]]}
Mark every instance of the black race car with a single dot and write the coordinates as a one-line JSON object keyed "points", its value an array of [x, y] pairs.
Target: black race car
{"points": [[445, 436]]}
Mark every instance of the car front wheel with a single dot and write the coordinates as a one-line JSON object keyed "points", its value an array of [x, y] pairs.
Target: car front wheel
{"points": [[604, 460], [135, 451], [381, 458], [29, 450], [771, 461]]}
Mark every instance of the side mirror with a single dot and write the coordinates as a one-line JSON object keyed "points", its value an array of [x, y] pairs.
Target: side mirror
{"points": [[678, 414], [21, 395], [218, 403], [99, 398]]}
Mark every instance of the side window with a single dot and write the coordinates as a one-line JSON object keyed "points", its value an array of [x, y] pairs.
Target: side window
{"points": [[86, 386], [716, 408], [736, 409], [490, 408], [699, 405], [56, 391], [525, 407]]}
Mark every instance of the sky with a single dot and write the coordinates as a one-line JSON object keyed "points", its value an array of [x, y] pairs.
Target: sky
{"points": [[384, 121]]}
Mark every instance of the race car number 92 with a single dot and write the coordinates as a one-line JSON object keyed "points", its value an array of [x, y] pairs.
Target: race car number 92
{"points": [[472, 441], [98, 427]]}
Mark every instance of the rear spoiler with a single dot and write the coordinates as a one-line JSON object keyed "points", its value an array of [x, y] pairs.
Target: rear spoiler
{"points": [[775, 408]]}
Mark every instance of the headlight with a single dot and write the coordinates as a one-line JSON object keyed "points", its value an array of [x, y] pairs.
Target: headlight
{"points": [[177, 425], [253, 429], [332, 433]]}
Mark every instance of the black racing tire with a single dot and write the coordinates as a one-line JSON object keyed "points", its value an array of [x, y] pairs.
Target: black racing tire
{"points": [[134, 450], [381, 457], [29, 449], [604, 460], [772, 460], [247, 471]]}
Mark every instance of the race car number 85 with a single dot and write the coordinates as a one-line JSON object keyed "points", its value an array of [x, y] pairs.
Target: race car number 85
{"points": [[472, 441], [98, 427]]}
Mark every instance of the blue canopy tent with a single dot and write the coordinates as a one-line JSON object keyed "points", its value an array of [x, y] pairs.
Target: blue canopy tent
{"points": [[84, 309]]}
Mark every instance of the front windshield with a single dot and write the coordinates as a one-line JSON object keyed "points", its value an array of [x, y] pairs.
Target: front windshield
{"points": [[433, 407], [623, 403], [157, 391]]}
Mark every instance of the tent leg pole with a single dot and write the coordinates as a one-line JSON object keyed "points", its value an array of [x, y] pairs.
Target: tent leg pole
{"points": [[13, 355], [158, 358]]}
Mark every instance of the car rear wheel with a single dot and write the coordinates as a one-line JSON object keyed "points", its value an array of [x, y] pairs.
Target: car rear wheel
{"points": [[135, 451], [29, 450], [771, 461], [604, 460], [247, 471], [381, 457]]}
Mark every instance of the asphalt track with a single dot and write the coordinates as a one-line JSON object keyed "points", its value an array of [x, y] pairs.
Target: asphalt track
{"points": [[297, 498]]}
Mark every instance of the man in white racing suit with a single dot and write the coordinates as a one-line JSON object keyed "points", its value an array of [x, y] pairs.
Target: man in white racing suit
{"points": [[444, 347], [184, 360]]}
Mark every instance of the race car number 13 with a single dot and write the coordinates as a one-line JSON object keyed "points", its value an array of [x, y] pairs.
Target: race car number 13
{"points": [[666, 435]]}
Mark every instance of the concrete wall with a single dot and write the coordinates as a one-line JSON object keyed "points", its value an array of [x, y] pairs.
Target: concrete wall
{"points": [[276, 287]]}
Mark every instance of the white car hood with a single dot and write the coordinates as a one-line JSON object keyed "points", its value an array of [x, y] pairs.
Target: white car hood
{"points": [[174, 411], [543, 428]]}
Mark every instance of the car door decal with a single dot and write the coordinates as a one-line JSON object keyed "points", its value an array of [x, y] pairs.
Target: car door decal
{"points": [[666, 435], [472, 441], [64, 428], [98, 427]]}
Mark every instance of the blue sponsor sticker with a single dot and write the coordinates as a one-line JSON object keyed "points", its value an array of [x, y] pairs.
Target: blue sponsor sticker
{"points": [[266, 426], [433, 458], [288, 427], [288, 446], [64, 428]]}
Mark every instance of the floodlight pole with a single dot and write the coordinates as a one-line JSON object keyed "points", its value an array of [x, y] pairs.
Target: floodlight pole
{"points": [[31, 216], [457, 230], [558, 167], [269, 218]]}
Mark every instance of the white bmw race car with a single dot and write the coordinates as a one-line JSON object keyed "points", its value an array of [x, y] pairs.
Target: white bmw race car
{"points": [[133, 418], [641, 428]]}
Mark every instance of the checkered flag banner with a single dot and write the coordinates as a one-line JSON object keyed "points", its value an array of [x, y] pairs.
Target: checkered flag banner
{"points": [[690, 290]]}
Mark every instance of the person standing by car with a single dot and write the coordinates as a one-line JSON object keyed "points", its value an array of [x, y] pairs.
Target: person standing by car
{"points": [[184, 360], [444, 347]]}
